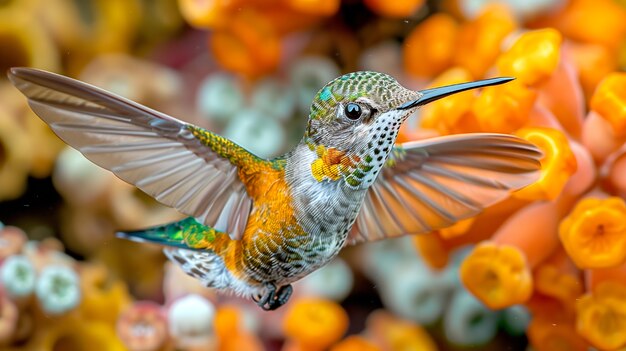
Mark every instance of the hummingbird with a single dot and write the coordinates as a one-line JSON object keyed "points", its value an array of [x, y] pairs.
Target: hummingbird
{"points": [[257, 225]]}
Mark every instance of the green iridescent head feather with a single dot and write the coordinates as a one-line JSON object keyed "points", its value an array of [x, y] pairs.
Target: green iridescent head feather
{"points": [[377, 91], [381, 88]]}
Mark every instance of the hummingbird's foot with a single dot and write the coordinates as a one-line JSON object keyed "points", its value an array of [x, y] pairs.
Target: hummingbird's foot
{"points": [[274, 297]]}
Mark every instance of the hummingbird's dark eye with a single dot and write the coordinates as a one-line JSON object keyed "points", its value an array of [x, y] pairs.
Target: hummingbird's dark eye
{"points": [[353, 111]]}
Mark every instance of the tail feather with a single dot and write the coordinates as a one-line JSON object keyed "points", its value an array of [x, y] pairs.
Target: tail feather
{"points": [[196, 249], [176, 234]]}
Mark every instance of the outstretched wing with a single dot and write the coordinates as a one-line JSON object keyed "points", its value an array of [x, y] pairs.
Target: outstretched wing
{"points": [[434, 183], [180, 165]]}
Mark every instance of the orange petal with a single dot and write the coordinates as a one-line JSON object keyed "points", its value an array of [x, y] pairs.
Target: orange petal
{"points": [[557, 164], [430, 47], [498, 275], [580, 182], [541, 116], [458, 229], [479, 40], [432, 249], [595, 277], [609, 101], [315, 7], [504, 109], [393, 333], [315, 323], [598, 136], [593, 21], [562, 286], [594, 234], [562, 94], [593, 62], [450, 115], [533, 57], [617, 174], [355, 343], [248, 44], [547, 335], [206, 13], [532, 230], [601, 316], [399, 9]]}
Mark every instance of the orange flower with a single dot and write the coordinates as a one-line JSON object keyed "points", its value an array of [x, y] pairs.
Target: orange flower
{"points": [[593, 21], [609, 101], [594, 234], [451, 115], [497, 275], [593, 62], [315, 324], [601, 315], [315, 7], [430, 47], [206, 14], [548, 335], [479, 40], [598, 136], [230, 335], [504, 109], [564, 287], [557, 165], [432, 249], [248, 44], [533, 58], [457, 229], [392, 333], [399, 8], [355, 343]]}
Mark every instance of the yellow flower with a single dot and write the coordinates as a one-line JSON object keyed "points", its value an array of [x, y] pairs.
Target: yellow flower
{"points": [[557, 165], [499, 276], [504, 109], [315, 324], [601, 316], [609, 100], [102, 300], [451, 115], [75, 334], [533, 57], [562, 286], [594, 234]]}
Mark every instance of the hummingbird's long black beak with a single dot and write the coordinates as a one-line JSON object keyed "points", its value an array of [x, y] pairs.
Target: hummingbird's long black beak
{"points": [[430, 95]]}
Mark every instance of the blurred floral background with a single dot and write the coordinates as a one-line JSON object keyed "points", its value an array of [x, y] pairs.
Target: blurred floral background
{"points": [[543, 270]]}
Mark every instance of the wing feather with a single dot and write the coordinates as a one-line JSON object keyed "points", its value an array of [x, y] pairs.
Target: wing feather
{"points": [[157, 153], [434, 183]]}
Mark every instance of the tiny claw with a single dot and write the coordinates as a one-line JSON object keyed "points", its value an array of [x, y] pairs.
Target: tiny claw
{"points": [[273, 297]]}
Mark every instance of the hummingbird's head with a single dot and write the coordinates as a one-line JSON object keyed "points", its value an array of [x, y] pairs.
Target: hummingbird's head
{"points": [[358, 115]]}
